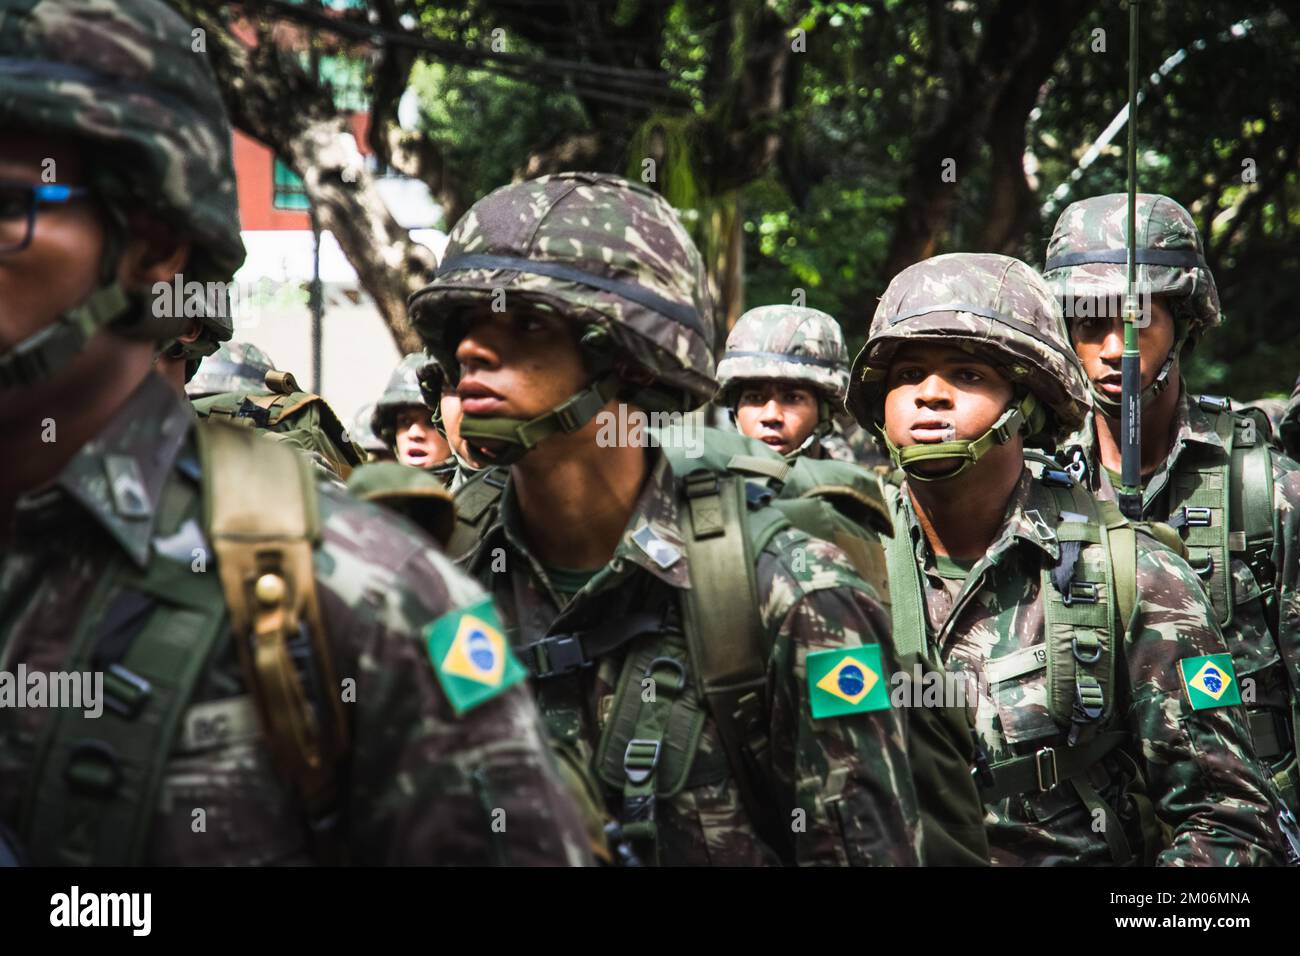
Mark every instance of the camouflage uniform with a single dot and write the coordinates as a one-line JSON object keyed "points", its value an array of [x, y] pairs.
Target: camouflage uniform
{"points": [[611, 256], [1264, 631], [788, 343], [107, 549], [234, 367], [403, 391], [1287, 431], [1198, 765]]}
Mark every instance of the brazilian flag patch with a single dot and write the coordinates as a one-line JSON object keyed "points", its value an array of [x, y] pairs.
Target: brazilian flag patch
{"points": [[471, 655], [1210, 681], [849, 680]]}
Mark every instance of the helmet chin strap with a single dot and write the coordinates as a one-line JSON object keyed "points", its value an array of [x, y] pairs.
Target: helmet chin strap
{"points": [[1026, 414], [40, 356], [503, 441]]}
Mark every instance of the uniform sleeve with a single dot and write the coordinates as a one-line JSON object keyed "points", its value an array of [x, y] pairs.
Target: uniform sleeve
{"points": [[1199, 763], [1286, 560], [845, 779], [426, 786]]}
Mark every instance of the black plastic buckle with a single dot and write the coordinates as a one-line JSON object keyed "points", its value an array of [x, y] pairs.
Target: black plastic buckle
{"points": [[1045, 760], [1260, 561], [757, 496], [1057, 478], [125, 692], [700, 483], [1080, 592], [556, 656], [982, 771], [640, 759], [1205, 570], [1196, 517]]}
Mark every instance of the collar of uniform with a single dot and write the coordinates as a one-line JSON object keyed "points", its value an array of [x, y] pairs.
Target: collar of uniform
{"points": [[118, 475], [1031, 516], [656, 507]]}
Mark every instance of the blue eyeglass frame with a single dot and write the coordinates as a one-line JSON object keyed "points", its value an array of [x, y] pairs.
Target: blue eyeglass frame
{"points": [[39, 194]]}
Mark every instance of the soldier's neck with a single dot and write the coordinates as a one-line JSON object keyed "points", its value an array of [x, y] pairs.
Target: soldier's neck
{"points": [[1159, 420], [961, 517], [576, 498], [41, 432]]}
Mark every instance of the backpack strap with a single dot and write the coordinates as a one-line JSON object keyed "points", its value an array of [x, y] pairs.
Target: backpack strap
{"points": [[725, 634], [94, 785], [476, 502], [260, 512], [907, 607], [1251, 511], [1200, 506]]}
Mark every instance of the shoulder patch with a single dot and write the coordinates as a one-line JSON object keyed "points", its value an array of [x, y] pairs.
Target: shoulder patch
{"points": [[847, 680], [1210, 681], [471, 655]]}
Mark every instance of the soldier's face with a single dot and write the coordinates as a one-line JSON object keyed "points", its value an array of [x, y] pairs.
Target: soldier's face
{"points": [[1099, 342], [518, 364], [780, 414], [937, 393], [60, 266], [451, 413], [418, 443]]}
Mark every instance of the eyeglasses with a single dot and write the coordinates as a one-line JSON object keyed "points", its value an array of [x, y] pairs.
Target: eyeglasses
{"points": [[18, 205]]}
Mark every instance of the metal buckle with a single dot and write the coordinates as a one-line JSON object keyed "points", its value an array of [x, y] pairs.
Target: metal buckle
{"points": [[1045, 758], [640, 759], [1205, 570], [1196, 517], [128, 697], [1074, 649], [1213, 403], [1080, 592]]}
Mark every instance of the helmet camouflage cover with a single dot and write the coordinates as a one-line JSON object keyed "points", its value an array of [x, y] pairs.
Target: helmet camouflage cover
{"points": [[786, 343], [403, 389], [996, 308], [1086, 256], [124, 76], [606, 253], [234, 367], [361, 433]]}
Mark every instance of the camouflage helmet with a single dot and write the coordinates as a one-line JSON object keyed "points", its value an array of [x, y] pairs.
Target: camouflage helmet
{"points": [[363, 436], [995, 307], [125, 77], [403, 390], [786, 343], [606, 253], [1087, 257], [234, 367]]}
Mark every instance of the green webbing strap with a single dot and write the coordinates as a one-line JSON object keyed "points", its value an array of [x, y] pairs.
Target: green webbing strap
{"points": [[763, 467], [1112, 827], [41, 355], [907, 609], [95, 783], [1251, 512], [1200, 506], [642, 757], [1079, 626], [1009, 424], [1040, 771], [724, 632]]}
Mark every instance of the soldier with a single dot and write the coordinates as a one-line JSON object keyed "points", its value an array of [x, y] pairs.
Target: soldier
{"points": [[364, 437], [598, 551], [234, 367], [168, 562], [408, 426], [783, 378], [1093, 731], [1206, 470]]}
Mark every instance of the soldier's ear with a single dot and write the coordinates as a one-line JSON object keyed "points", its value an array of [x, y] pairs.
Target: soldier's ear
{"points": [[153, 253]]}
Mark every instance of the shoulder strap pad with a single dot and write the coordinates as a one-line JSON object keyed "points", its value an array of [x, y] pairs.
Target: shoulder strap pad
{"points": [[476, 502], [260, 512]]}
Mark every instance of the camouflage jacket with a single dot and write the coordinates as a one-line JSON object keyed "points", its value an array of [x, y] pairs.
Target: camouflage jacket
{"points": [[1199, 767], [1265, 643], [848, 775], [421, 785]]}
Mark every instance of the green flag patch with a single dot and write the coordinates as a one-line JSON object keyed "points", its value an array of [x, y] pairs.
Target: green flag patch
{"points": [[471, 656], [848, 680], [1210, 681]]}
